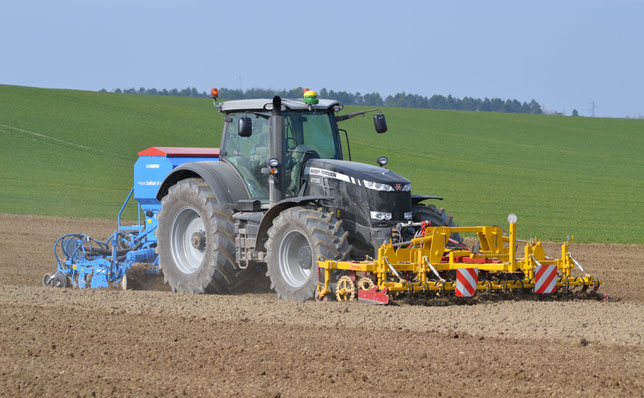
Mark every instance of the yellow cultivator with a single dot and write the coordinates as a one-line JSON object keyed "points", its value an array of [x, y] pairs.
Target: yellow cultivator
{"points": [[435, 265]]}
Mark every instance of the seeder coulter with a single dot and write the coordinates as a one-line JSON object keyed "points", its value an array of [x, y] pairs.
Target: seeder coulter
{"points": [[434, 265], [83, 261]]}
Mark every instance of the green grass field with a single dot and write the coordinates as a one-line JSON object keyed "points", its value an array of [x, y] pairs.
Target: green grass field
{"points": [[70, 153]]}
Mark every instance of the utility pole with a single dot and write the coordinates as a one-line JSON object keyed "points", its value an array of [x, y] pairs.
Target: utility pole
{"points": [[241, 87], [592, 108]]}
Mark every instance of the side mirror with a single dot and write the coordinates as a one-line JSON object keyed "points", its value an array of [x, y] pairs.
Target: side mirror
{"points": [[380, 123], [245, 127]]}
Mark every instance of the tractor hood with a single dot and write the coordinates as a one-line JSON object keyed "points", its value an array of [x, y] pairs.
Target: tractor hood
{"points": [[365, 175], [370, 200]]}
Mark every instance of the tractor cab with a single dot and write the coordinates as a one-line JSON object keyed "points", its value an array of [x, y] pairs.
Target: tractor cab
{"points": [[308, 134], [269, 142]]}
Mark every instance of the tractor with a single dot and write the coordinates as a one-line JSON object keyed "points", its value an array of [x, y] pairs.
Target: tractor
{"points": [[281, 196], [278, 199]]}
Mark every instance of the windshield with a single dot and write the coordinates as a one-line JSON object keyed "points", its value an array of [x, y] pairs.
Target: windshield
{"points": [[307, 135], [315, 131]]}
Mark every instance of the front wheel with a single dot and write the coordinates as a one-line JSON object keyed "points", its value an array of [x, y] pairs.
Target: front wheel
{"points": [[298, 238]]}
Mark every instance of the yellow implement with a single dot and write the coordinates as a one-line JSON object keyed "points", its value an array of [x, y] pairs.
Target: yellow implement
{"points": [[429, 264]]}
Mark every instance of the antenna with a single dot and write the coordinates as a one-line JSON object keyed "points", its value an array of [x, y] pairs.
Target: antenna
{"points": [[592, 108]]}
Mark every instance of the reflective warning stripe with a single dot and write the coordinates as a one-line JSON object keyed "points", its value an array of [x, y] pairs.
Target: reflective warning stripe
{"points": [[545, 278], [466, 281]]}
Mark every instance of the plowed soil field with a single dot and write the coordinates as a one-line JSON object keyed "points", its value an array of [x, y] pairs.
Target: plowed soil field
{"points": [[57, 342]]}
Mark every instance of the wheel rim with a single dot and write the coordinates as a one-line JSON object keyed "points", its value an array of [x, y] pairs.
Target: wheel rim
{"points": [[294, 265], [186, 255]]}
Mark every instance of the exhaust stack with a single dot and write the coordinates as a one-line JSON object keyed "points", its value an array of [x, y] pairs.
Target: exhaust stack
{"points": [[277, 182]]}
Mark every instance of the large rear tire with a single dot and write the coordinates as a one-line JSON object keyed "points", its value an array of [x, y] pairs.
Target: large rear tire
{"points": [[195, 240], [298, 238], [437, 217]]}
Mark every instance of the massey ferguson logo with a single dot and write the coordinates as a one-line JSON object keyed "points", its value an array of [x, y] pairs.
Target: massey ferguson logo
{"points": [[397, 187], [330, 174]]}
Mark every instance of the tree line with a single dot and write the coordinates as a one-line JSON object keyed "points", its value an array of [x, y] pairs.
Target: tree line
{"points": [[402, 99]]}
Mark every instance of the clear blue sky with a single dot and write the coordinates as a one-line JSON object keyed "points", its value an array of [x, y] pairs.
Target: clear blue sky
{"points": [[564, 54]]}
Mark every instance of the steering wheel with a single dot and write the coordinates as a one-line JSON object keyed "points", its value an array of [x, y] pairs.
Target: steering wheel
{"points": [[298, 157], [290, 147]]}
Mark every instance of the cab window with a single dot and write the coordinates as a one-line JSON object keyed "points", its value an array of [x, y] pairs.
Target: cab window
{"points": [[248, 154]]}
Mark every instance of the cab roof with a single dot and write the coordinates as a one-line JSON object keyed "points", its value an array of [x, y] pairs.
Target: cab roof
{"points": [[259, 105]]}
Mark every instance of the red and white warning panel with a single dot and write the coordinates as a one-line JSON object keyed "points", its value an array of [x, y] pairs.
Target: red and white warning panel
{"points": [[545, 278], [466, 281]]}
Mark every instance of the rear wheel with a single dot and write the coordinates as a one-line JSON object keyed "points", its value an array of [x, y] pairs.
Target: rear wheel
{"points": [[195, 240], [437, 217], [298, 238]]}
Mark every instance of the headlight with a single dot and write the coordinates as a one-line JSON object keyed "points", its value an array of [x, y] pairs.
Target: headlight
{"points": [[406, 188], [408, 215], [380, 215], [376, 186]]}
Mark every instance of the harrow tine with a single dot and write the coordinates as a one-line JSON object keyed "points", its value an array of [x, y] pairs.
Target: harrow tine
{"points": [[391, 267], [433, 269], [578, 265]]}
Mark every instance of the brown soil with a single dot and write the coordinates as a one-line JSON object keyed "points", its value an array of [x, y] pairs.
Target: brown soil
{"points": [[110, 342]]}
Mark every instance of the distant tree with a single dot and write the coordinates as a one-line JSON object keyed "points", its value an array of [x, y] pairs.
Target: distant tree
{"points": [[574, 113], [296, 92], [373, 99], [102, 90], [525, 107], [469, 104], [535, 107], [486, 106], [452, 103], [118, 91], [437, 102], [497, 104], [397, 100]]}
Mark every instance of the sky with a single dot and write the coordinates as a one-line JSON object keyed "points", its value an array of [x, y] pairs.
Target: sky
{"points": [[564, 54]]}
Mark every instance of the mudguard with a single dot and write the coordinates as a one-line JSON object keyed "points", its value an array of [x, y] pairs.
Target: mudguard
{"points": [[222, 178], [267, 221], [416, 199]]}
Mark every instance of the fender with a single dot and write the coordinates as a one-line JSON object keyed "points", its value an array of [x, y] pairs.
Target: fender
{"points": [[416, 199], [220, 176], [267, 221]]}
